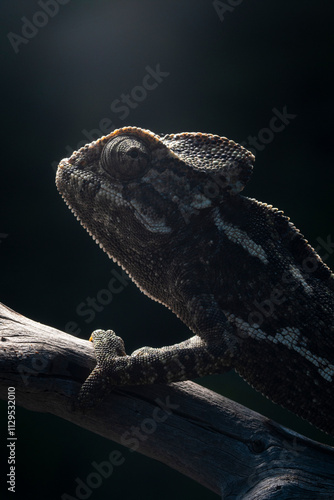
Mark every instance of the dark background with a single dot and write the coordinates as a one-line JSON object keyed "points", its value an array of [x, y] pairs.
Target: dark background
{"points": [[225, 76]]}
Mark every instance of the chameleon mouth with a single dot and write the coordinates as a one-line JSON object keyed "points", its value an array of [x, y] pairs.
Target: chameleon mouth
{"points": [[75, 184], [80, 190]]}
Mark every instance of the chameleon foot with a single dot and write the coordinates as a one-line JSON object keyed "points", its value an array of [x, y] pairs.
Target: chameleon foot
{"points": [[108, 347]]}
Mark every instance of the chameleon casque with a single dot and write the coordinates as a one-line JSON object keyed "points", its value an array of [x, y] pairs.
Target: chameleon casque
{"points": [[237, 272]]}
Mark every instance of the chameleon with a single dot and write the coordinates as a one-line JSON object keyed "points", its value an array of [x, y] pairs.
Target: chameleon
{"points": [[255, 295]]}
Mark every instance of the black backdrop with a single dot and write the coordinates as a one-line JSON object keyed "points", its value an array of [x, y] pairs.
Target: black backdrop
{"points": [[73, 68]]}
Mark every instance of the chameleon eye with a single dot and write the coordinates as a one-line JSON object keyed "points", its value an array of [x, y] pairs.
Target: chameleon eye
{"points": [[125, 157]]}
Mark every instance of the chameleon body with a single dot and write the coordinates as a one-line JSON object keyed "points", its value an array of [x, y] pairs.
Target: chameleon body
{"points": [[236, 271]]}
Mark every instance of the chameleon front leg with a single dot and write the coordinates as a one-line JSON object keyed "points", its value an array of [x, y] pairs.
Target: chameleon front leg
{"points": [[189, 359]]}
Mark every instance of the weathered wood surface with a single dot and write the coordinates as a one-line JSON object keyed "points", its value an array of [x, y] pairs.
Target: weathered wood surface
{"points": [[226, 447]]}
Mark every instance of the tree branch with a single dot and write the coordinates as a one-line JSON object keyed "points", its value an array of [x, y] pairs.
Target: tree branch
{"points": [[226, 447]]}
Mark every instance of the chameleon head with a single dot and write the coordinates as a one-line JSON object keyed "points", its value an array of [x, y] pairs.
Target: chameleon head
{"points": [[133, 189]]}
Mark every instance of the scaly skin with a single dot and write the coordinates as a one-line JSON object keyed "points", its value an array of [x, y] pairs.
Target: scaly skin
{"points": [[255, 295]]}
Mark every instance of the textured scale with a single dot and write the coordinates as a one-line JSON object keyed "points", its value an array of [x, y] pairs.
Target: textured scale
{"points": [[256, 296]]}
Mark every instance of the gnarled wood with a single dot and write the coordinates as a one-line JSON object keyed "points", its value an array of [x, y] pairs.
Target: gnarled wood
{"points": [[226, 447]]}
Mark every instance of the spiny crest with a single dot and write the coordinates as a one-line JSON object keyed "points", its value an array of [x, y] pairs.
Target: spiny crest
{"points": [[216, 155], [228, 162]]}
